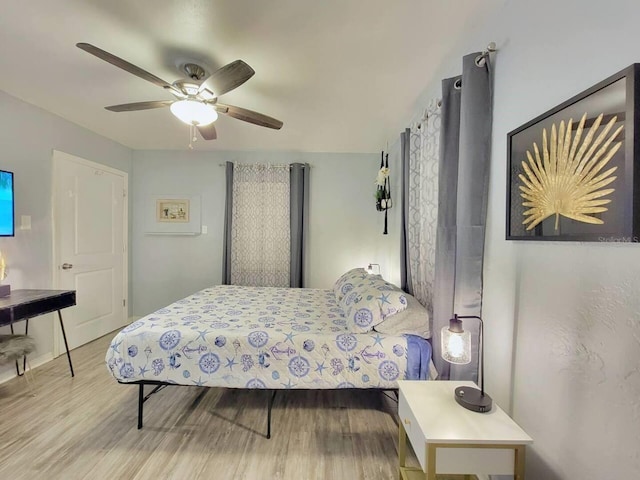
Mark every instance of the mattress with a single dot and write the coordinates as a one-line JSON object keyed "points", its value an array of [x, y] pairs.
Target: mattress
{"points": [[261, 337]]}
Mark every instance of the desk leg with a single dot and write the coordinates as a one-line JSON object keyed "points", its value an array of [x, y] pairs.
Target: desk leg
{"points": [[66, 346], [24, 358]]}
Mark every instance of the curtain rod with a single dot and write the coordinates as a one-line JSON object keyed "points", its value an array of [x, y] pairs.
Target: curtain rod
{"points": [[480, 62], [491, 48], [288, 165]]}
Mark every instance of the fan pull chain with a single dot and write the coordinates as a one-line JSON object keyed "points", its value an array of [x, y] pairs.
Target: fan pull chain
{"points": [[192, 136]]}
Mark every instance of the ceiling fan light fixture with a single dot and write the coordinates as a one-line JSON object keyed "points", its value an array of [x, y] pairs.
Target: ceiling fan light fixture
{"points": [[193, 112]]}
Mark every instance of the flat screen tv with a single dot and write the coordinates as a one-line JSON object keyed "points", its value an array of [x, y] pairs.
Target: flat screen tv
{"points": [[7, 223]]}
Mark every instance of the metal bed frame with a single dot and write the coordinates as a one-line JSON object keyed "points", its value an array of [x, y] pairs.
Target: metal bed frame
{"points": [[142, 398]]}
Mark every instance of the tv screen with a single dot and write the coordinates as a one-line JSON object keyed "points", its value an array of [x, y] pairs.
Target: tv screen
{"points": [[6, 204]]}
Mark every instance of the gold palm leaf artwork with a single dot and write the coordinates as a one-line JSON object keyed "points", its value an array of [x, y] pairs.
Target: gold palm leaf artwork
{"points": [[567, 178]]}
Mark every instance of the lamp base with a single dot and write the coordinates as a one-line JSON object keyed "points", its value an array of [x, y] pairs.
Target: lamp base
{"points": [[473, 399], [5, 290]]}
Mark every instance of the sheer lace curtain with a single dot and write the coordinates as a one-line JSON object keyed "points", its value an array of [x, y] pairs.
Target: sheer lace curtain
{"points": [[260, 227], [421, 189]]}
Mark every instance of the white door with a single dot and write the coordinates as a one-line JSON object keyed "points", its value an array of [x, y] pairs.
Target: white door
{"points": [[90, 229]]}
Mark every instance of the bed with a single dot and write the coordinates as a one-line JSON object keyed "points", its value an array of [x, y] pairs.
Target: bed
{"points": [[273, 338]]}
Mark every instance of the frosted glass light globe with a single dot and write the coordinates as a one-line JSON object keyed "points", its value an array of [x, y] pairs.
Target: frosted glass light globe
{"points": [[193, 112]]}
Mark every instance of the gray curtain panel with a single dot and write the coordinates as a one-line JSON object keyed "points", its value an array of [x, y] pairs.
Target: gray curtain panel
{"points": [[473, 187], [462, 205], [405, 265], [445, 262], [228, 211], [299, 192]]}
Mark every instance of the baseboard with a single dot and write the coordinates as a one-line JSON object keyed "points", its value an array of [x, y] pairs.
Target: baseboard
{"points": [[35, 362]]}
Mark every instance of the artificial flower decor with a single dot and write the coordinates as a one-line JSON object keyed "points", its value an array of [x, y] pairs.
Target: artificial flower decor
{"points": [[383, 174]]}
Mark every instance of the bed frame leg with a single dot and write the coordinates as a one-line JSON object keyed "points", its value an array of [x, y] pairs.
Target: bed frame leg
{"points": [[272, 396], [140, 404]]}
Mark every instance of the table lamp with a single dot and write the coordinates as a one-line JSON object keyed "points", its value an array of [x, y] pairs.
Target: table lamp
{"points": [[370, 268], [5, 290], [456, 349]]}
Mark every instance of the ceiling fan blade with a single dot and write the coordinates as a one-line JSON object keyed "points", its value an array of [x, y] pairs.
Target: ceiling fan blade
{"points": [[129, 67], [208, 132], [249, 116], [131, 107], [227, 78]]}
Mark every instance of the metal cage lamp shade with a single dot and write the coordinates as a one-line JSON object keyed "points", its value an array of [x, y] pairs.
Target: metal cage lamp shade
{"points": [[456, 349]]}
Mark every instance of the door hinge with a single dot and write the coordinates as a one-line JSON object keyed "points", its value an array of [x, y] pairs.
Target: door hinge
{"points": [[124, 193], [124, 302]]}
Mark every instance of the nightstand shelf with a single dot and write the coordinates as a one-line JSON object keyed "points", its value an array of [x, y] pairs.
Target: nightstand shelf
{"points": [[452, 443], [414, 473]]}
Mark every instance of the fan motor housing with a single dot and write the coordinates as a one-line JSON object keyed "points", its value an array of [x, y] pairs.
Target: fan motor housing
{"points": [[194, 71]]}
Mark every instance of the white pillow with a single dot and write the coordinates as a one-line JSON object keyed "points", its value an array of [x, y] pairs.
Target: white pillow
{"points": [[414, 320]]}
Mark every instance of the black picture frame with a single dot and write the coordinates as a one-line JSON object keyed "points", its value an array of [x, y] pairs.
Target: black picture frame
{"points": [[617, 95]]}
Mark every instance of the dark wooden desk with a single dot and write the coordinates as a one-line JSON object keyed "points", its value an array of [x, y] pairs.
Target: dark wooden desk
{"points": [[26, 304]]}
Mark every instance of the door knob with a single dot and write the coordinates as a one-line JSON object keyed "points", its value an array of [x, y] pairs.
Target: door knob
{"points": [[66, 266]]}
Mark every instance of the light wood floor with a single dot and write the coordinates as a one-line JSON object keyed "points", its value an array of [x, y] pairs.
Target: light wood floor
{"points": [[85, 427]]}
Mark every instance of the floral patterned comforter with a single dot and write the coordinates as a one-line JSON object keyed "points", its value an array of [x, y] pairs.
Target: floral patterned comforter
{"points": [[256, 337]]}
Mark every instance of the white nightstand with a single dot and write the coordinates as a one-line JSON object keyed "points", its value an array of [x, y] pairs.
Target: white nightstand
{"points": [[449, 439]]}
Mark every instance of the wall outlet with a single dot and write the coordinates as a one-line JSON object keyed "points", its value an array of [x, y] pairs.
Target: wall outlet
{"points": [[205, 229]]}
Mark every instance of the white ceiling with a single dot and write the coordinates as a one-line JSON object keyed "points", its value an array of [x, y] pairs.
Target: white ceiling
{"points": [[343, 75]]}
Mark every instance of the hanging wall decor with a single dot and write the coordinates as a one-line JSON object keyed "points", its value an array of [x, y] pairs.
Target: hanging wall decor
{"points": [[383, 189], [572, 173], [172, 215]]}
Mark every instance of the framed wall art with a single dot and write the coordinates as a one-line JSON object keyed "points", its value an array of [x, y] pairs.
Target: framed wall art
{"points": [[172, 210], [572, 173], [173, 215]]}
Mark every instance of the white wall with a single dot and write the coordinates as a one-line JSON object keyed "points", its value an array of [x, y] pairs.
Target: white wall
{"points": [[563, 319], [28, 135], [345, 230]]}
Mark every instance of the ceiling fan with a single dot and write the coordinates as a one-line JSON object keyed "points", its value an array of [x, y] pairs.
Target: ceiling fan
{"points": [[196, 97]]}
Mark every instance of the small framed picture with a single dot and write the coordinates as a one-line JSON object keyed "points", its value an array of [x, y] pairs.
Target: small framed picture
{"points": [[172, 210], [169, 214]]}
